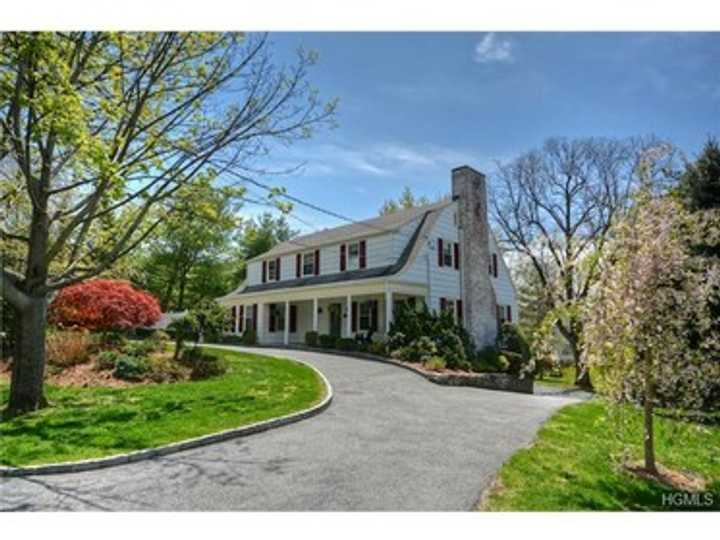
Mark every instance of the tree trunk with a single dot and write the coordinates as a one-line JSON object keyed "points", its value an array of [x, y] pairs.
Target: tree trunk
{"points": [[582, 375], [181, 292], [26, 387], [649, 439]]}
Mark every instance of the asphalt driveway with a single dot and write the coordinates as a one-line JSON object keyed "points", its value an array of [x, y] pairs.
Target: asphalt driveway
{"points": [[390, 441]]}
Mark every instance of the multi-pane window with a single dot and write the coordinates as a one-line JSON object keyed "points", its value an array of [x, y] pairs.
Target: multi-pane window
{"points": [[354, 256], [447, 254], [366, 316], [308, 261], [272, 270], [277, 317]]}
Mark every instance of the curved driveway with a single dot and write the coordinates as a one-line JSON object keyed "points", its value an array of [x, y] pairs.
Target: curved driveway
{"points": [[390, 441]]}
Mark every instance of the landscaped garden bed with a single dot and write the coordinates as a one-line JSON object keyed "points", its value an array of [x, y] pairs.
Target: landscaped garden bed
{"points": [[99, 420], [441, 350], [579, 462]]}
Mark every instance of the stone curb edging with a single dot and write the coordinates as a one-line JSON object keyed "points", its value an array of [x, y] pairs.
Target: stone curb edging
{"points": [[204, 440], [488, 381]]}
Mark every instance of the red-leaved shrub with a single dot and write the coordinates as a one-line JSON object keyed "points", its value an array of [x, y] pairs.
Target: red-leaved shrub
{"points": [[104, 304]]}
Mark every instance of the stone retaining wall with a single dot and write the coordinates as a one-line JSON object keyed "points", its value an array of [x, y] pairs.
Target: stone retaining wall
{"points": [[489, 381]]}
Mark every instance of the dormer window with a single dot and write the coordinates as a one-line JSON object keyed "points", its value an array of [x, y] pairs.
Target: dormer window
{"points": [[308, 266], [354, 256], [272, 269]]}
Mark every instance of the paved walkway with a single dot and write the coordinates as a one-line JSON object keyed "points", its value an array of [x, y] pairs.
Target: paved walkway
{"points": [[390, 441]]}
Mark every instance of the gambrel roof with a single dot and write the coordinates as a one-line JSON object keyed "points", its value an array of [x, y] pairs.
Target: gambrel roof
{"points": [[344, 233]]}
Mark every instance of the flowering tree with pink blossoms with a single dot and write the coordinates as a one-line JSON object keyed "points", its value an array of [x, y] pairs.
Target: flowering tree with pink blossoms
{"points": [[649, 326]]}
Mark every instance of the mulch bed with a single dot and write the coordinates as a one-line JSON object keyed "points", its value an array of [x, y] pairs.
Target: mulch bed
{"points": [[674, 479], [86, 375], [82, 375]]}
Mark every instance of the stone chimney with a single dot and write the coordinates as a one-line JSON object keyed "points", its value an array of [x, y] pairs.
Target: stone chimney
{"points": [[478, 295]]}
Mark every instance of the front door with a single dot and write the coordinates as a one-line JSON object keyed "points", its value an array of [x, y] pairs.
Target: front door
{"points": [[335, 311]]}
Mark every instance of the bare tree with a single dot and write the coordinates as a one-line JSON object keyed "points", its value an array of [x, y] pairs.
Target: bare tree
{"points": [[555, 206], [103, 128]]}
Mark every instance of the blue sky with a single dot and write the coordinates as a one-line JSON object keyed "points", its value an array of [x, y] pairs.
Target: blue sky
{"points": [[414, 105]]}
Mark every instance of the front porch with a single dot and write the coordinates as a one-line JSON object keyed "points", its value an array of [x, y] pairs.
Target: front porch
{"points": [[286, 315]]}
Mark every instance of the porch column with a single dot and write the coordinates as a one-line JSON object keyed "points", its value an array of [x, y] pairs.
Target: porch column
{"points": [[260, 322], [286, 331], [315, 315], [349, 316], [237, 319], [388, 309]]}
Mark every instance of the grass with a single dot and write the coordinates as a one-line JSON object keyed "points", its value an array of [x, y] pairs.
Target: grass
{"points": [[93, 422], [569, 466], [565, 380]]}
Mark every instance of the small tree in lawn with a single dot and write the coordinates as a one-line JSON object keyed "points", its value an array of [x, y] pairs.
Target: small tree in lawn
{"points": [[104, 305], [648, 327], [207, 319]]}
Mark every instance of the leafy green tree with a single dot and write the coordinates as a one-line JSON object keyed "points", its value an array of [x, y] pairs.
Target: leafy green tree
{"points": [[405, 201], [259, 235], [204, 321], [700, 183], [98, 132], [186, 260]]}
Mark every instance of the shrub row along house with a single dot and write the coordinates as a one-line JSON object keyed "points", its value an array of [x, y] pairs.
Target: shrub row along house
{"points": [[347, 281]]}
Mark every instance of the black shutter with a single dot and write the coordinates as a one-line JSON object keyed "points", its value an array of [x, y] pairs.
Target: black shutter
{"points": [[317, 262], [494, 265], [241, 326], [509, 314], [342, 257], [264, 271], [363, 258], [254, 317], [459, 307], [374, 315], [277, 269], [440, 252], [456, 249], [354, 316], [298, 265]]}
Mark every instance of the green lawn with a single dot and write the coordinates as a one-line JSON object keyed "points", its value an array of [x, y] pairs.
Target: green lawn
{"points": [[568, 467], [565, 380], [94, 422]]}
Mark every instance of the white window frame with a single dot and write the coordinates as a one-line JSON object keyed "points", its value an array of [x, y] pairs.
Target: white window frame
{"points": [[448, 254], [279, 313], [353, 261], [367, 305], [272, 270], [311, 256]]}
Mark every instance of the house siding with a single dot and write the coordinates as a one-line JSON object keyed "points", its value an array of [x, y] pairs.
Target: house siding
{"points": [[381, 250], [445, 280], [503, 286]]}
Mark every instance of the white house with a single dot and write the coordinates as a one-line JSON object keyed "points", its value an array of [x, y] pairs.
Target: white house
{"points": [[347, 280]]}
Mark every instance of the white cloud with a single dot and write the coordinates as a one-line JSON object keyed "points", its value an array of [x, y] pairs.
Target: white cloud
{"points": [[491, 49]]}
